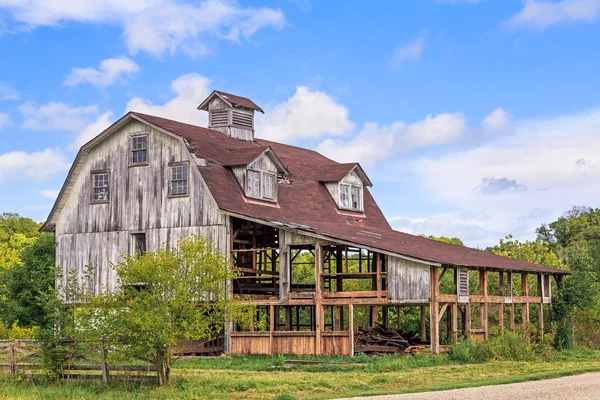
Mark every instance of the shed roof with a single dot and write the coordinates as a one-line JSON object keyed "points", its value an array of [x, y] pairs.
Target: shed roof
{"points": [[306, 205]]}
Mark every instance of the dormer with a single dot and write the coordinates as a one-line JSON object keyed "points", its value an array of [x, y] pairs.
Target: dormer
{"points": [[258, 171], [230, 114], [346, 183]]}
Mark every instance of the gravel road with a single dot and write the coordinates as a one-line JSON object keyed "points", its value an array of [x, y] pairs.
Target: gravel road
{"points": [[580, 387]]}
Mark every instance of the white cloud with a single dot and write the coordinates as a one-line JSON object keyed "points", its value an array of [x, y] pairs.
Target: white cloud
{"points": [[540, 14], [50, 193], [56, 116], [8, 93], [4, 120], [155, 27], [38, 166], [307, 114], [375, 143], [110, 71], [409, 52], [516, 182], [190, 90], [92, 130], [497, 122]]}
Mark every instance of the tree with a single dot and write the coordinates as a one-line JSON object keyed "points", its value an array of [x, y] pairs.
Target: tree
{"points": [[452, 240], [30, 282], [163, 296], [537, 252]]}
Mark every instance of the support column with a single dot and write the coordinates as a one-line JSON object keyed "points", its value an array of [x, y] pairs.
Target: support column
{"points": [[501, 305], [399, 317], [525, 313], [423, 324], [271, 327], [351, 327], [434, 326], [454, 322], [483, 307], [318, 297], [468, 320]]}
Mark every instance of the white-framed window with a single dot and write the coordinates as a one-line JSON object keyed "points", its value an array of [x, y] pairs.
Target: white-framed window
{"points": [[253, 183], [179, 180], [139, 150], [100, 187], [351, 197], [344, 196], [355, 198], [268, 186]]}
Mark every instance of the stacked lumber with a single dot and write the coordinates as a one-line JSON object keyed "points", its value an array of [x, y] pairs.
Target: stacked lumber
{"points": [[381, 340]]}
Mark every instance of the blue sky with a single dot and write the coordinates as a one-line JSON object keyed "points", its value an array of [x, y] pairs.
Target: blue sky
{"points": [[473, 118]]}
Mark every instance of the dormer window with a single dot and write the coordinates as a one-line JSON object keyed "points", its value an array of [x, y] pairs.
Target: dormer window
{"points": [[261, 185], [351, 197]]}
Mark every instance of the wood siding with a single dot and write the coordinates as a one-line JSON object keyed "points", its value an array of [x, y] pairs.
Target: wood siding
{"points": [[409, 281], [96, 234]]}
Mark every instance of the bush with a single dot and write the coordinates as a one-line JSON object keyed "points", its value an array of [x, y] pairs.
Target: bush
{"points": [[16, 332], [507, 347]]}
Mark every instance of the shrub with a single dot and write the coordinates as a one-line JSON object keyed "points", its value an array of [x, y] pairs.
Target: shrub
{"points": [[507, 347], [16, 332]]}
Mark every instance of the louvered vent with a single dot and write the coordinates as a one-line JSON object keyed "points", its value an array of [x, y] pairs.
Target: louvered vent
{"points": [[463, 285], [219, 117], [242, 120]]}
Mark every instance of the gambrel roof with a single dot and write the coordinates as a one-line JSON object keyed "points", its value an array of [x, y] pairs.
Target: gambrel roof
{"points": [[304, 203]]}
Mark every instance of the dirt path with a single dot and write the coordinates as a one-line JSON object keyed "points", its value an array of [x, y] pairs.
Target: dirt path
{"points": [[580, 387]]}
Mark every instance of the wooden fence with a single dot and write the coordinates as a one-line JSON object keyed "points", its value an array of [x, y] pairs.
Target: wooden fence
{"points": [[23, 358]]}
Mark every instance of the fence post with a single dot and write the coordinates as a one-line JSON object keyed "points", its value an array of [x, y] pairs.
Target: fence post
{"points": [[103, 361], [13, 359]]}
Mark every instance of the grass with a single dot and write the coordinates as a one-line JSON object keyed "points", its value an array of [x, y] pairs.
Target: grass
{"points": [[266, 378]]}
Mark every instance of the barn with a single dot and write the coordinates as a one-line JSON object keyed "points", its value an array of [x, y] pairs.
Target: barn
{"points": [[313, 249]]}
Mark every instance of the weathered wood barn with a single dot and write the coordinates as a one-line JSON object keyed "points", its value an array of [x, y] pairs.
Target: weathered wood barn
{"points": [[278, 210]]}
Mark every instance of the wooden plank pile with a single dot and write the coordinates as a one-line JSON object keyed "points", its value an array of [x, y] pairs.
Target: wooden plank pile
{"points": [[380, 340]]}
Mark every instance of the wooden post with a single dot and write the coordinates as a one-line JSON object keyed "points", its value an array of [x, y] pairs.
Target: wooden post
{"points": [[525, 313], [454, 322], [399, 317], [385, 316], [271, 327], [318, 297], [468, 320], [351, 327], [501, 305], [288, 318], [512, 316], [483, 307], [434, 326], [104, 366], [12, 362], [423, 324], [374, 315], [541, 305]]}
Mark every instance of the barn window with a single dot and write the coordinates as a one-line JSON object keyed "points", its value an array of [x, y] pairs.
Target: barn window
{"points": [[268, 186], [253, 183], [355, 198], [138, 243], [351, 197], [100, 187], [344, 196], [179, 180], [139, 150]]}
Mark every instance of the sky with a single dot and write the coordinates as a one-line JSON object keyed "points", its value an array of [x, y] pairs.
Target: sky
{"points": [[473, 118]]}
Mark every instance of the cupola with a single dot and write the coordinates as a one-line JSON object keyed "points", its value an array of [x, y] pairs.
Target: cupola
{"points": [[230, 114]]}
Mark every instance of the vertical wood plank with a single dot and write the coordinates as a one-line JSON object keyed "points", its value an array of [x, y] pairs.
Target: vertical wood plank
{"points": [[483, 307], [399, 317], [525, 313], [468, 320], [271, 327], [318, 297], [454, 322], [501, 305]]}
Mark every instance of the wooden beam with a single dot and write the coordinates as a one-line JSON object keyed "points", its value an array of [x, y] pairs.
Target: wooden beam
{"points": [[399, 317], [483, 307], [512, 316], [501, 306], [525, 313], [271, 327], [468, 320], [441, 277], [442, 311], [318, 297]]}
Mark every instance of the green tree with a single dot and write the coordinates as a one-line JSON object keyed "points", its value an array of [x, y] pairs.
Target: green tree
{"points": [[452, 240], [29, 284], [537, 252], [163, 296]]}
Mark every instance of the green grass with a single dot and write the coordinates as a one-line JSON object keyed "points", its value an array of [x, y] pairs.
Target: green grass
{"points": [[266, 378]]}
